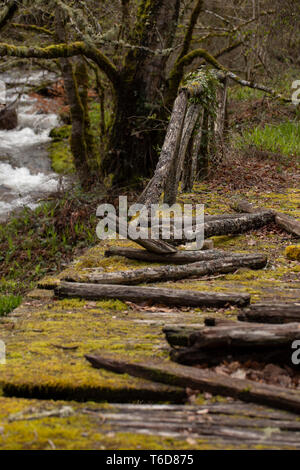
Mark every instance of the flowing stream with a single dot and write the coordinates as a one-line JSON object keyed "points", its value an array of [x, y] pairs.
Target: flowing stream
{"points": [[25, 168]]}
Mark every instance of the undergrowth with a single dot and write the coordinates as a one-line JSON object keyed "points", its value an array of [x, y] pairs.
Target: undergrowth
{"points": [[283, 138], [36, 242], [9, 303]]}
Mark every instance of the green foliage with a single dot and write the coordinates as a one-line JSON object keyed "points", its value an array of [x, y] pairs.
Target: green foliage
{"points": [[61, 133], [61, 157], [240, 93], [35, 242], [283, 138], [206, 81], [9, 303]]}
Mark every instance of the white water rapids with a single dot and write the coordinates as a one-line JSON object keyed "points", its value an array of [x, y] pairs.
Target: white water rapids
{"points": [[25, 170]]}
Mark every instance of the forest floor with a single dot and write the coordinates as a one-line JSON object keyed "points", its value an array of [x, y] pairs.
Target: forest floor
{"points": [[53, 399], [47, 338]]}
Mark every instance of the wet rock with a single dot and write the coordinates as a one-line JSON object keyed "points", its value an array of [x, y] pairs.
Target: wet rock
{"points": [[8, 118]]}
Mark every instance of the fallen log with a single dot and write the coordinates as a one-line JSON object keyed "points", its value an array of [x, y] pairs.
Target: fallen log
{"points": [[235, 342], [180, 335], [154, 246], [181, 257], [233, 226], [172, 273], [204, 381], [288, 223], [189, 221], [246, 336], [217, 334], [150, 294], [272, 313]]}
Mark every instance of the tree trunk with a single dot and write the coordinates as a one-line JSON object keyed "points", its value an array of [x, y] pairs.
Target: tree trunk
{"points": [[76, 84], [230, 226], [181, 257], [132, 150]]}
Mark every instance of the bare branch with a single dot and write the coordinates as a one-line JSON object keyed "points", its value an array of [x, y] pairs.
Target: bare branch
{"points": [[56, 51]]}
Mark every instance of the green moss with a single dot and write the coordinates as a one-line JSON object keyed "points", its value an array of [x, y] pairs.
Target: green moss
{"points": [[61, 157], [293, 252], [61, 133], [112, 304]]}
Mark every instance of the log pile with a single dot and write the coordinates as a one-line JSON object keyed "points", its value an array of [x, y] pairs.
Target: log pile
{"points": [[234, 342], [263, 332]]}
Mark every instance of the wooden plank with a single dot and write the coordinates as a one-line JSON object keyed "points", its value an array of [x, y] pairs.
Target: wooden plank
{"points": [[150, 294], [205, 381]]}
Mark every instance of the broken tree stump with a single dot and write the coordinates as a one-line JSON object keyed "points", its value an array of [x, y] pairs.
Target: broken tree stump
{"points": [[150, 294], [272, 313], [288, 223], [204, 381], [172, 273]]}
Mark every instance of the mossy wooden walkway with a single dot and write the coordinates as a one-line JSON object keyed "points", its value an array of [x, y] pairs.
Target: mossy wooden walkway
{"points": [[47, 339]]}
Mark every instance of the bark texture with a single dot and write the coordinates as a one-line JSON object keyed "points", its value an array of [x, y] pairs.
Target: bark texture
{"points": [[272, 313], [173, 273], [150, 294], [288, 223]]}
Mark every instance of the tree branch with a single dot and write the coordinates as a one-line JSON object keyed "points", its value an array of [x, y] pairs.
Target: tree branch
{"points": [[189, 58], [33, 27], [189, 33], [8, 12], [56, 51]]}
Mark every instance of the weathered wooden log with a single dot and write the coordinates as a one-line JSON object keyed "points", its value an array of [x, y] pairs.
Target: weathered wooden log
{"points": [[233, 425], [246, 336], [155, 187], [288, 223], [172, 182], [189, 222], [268, 343], [272, 313], [211, 358], [181, 257], [234, 226], [154, 246], [180, 335], [205, 381], [191, 160], [150, 294], [218, 329], [173, 273]]}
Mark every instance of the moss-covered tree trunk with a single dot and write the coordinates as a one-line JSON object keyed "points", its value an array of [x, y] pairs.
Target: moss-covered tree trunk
{"points": [[134, 138]]}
